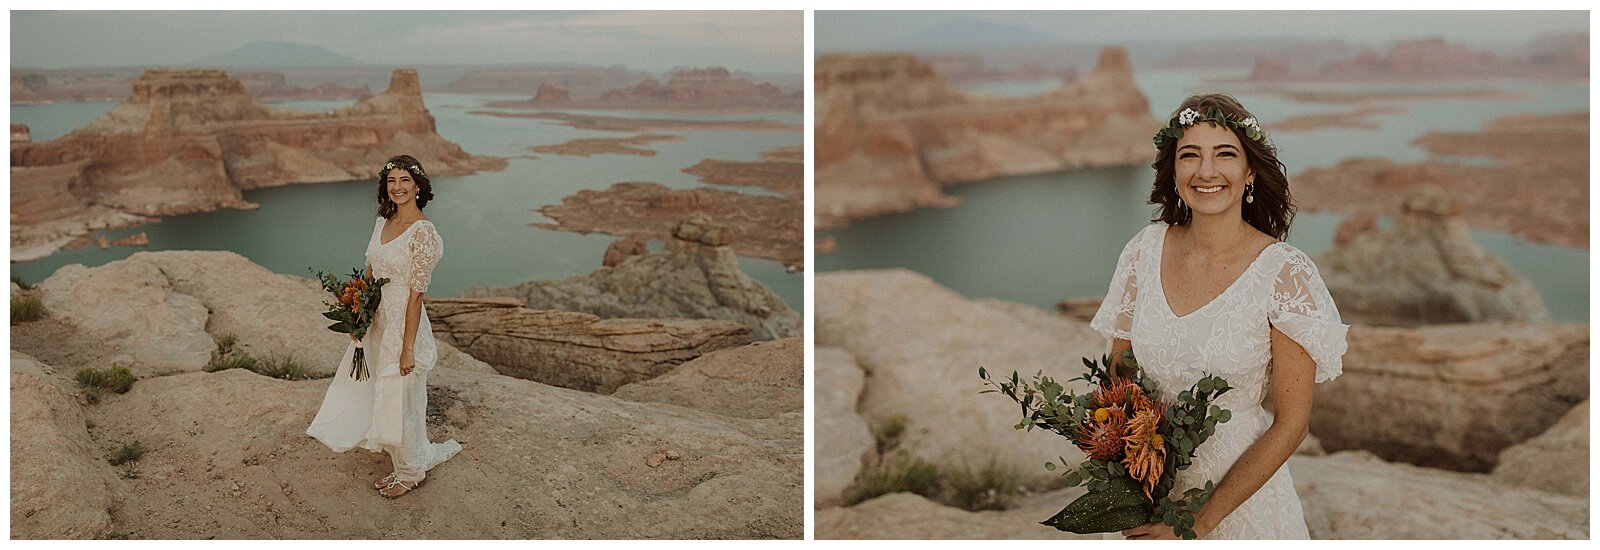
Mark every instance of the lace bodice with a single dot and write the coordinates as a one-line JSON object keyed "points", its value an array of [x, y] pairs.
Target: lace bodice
{"points": [[409, 258], [1229, 337]]}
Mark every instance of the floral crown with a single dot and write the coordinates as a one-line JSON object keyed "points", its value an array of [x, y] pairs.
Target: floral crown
{"points": [[414, 169], [1188, 117]]}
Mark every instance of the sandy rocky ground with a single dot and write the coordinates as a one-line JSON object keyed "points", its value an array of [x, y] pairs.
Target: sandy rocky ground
{"points": [[1504, 405], [710, 449]]}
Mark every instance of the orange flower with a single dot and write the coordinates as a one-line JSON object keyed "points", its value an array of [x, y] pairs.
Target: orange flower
{"points": [[1103, 438], [1115, 393], [349, 297], [1145, 451]]}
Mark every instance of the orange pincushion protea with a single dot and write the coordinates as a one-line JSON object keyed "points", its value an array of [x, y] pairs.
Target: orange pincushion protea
{"points": [[1146, 452], [1104, 438], [1116, 393]]}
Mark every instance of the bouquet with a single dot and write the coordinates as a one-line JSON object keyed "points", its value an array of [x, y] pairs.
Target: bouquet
{"points": [[355, 304], [1134, 444]]}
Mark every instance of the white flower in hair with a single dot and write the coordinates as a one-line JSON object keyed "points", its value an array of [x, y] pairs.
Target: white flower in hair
{"points": [[1187, 117], [1251, 122]]}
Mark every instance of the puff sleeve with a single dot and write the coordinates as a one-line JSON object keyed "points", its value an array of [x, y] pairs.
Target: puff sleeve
{"points": [[1114, 319], [426, 249], [1303, 310]]}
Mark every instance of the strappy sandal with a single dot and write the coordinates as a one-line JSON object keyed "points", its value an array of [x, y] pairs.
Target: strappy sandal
{"points": [[406, 486], [383, 482]]}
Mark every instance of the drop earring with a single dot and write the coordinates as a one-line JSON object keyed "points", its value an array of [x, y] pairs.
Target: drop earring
{"points": [[1248, 197]]}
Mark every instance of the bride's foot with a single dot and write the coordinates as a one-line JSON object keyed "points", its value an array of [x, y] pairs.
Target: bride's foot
{"points": [[397, 487], [382, 482]]}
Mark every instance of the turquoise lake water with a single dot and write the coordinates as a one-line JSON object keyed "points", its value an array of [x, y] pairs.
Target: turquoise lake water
{"points": [[483, 217], [1042, 238]]}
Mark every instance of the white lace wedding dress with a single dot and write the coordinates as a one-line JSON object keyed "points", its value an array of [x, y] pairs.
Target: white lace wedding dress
{"points": [[386, 411], [1228, 337]]}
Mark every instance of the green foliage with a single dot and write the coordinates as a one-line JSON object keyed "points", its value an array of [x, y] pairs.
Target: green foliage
{"points": [[117, 378], [900, 472], [285, 367], [225, 343], [26, 308], [1191, 419], [887, 434], [1119, 505], [15, 278], [237, 359], [128, 453], [991, 487]]}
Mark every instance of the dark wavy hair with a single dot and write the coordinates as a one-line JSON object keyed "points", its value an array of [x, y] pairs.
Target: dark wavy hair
{"points": [[386, 207], [1273, 209]]}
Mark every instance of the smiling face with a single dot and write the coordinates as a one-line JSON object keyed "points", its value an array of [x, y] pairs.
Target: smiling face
{"points": [[401, 186], [1210, 170]]}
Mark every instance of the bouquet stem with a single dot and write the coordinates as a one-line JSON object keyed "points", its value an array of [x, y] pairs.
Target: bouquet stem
{"points": [[358, 369]]}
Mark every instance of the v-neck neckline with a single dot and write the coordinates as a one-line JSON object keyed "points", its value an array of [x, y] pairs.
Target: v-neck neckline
{"points": [[402, 232], [1161, 248]]}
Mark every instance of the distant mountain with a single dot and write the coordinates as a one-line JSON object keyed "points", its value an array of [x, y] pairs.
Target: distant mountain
{"points": [[969, 35], [277, 54]]}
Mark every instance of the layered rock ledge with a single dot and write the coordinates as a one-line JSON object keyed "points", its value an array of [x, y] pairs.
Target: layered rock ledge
{"points": [[576, 350]]}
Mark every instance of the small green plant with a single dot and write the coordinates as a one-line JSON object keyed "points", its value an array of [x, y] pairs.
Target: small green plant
{"points": [[225, 343], [20, 283], [888, 433], [26, 308], [239, 359], [117, 378], [128, 453], [900, 472], [991, 487], [285, 367]]}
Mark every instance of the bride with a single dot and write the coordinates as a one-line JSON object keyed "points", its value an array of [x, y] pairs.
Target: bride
{"points": [[1213, 288], [387, 411]]}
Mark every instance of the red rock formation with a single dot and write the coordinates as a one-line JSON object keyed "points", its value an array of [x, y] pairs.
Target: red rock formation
{"points": [[190, 140], [890, 133], [1551, 56], [269, 86], [690, 89], [1269, 68], [581, 82], [551, 92], [643, 91]]}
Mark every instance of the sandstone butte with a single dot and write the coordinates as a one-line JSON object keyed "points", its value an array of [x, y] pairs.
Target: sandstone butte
{"points": [[190, 140], [709, 89], [891, 133]]}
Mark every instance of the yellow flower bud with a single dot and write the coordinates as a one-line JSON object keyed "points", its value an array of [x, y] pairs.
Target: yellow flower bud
{"points": [[1157, 439], [1102, 414]]}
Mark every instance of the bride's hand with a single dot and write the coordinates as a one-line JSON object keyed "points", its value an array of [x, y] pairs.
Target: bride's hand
{"points": [[1151, 531], [406, 363]]}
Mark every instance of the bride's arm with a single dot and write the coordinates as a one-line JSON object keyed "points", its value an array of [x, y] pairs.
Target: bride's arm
{"points": [[1119, 345], [413, 319], [1293, 374]]}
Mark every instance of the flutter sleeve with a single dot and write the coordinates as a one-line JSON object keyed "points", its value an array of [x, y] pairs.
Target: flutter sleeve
{"points": [[1304, 311], [1114, 319], [426, 249]]}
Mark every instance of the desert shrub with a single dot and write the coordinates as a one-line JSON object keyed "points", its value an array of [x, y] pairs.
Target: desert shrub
{"points": [[991, 487], [25, 308], [128, 453], [900, 472], [117, 378], [285, 367]]}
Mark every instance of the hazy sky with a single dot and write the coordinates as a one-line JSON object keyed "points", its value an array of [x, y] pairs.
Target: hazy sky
{"points": [[657, 41], [866, 30]]}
